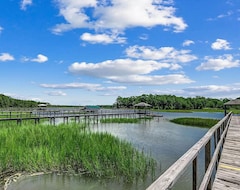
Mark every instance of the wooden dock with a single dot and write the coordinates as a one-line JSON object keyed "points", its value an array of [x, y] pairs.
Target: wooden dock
{"points": [[228, 172], [76, 116], [212, 145]]}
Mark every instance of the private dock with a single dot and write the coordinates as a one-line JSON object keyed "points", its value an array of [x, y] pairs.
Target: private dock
{"points": [[228, 172], [221, 147], [75, 115]]}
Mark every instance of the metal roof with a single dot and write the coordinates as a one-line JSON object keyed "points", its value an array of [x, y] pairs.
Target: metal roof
{"points": [[142, 104], [233, 102]]}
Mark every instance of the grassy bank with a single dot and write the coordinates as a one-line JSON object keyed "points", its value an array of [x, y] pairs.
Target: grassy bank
{"points": [[124, 120], [71, 148], [120, 120], [198, 122]]}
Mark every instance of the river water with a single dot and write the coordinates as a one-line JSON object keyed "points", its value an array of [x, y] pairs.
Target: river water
{"points": [[165, 141]]}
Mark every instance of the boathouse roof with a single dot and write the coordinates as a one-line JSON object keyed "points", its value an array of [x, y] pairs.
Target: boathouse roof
{"points": [[92, 107], [233, 102], [42, 105], [142, 104]]}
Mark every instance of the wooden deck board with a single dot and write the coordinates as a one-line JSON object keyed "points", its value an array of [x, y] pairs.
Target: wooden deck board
{"points": [[228, 172]]}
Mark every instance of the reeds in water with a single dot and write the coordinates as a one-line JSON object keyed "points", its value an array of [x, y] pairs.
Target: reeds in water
{"points": [[120, 120], [198, 122], [70, 148]]}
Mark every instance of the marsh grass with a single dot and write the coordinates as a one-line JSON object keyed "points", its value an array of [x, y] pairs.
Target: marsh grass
{"points": [[71, 148], [198, 122], [120, 120], [125, 120]]}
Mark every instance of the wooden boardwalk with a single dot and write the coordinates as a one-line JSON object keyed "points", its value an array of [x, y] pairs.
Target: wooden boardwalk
{"points": [[228, 172]]}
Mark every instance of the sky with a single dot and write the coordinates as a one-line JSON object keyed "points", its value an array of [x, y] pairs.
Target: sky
{"points": [[75, 52]]}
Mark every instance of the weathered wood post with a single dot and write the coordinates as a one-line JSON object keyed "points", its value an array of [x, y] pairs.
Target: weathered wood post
{"points": [[194, 175], [208, 160]]}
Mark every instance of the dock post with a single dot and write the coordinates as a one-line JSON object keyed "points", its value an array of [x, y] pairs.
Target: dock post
{"points": [[194, 174], [207, 161]]}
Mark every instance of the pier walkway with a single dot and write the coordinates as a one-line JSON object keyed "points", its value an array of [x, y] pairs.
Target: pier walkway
{"points": [[221, 148], [228, 172]]}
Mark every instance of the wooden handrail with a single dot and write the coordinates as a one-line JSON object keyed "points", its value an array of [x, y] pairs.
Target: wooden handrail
{"points": [[172, 174]]}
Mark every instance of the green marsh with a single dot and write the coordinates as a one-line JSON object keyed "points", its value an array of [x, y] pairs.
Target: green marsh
{"points": [[70, 148], [198, 122]]}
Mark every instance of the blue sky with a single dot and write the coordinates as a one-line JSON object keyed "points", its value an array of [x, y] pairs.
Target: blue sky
{"points": [[90, 52]]}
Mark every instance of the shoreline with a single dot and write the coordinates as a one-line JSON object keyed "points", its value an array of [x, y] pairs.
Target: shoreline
{"points": [[7, 180]]}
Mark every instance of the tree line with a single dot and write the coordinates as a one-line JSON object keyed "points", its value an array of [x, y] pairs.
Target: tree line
{"points": [[6, 102], [170, 102]]}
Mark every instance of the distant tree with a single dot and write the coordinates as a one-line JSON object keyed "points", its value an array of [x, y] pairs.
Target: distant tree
{"points": [[7, 101], [171, 102]]}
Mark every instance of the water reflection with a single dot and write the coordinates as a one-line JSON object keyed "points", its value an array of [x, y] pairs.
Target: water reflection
{"points": [[165, 141]]}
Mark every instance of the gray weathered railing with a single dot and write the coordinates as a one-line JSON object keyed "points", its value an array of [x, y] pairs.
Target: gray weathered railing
{"points": [[170, 176], [52, 115]]}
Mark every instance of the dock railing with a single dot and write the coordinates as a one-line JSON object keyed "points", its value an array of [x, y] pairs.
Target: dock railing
{"points": [[215, 135]]}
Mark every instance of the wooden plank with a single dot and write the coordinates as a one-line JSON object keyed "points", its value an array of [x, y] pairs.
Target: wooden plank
{"points": [[169, 177], [228, 172], [224, 185]]}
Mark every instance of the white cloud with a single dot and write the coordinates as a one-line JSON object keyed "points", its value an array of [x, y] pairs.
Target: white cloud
{"points": [[129, 71], [217, 64], [71, 86], [188, 43], [25, 3], [140, 67], [229, 13], [152, 80], [40, 58], [117, 15], [86, 86], [214, 90], [6, 57], [118, 67], [209, 88], [221, 44], [167, 54], [1, 29], [102, 38], [221, 16], [56, 93], [144, 37]]}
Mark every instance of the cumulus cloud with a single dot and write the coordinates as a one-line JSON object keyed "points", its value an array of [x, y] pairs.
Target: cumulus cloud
{"points": [[214, 90], [217, 64], [117, 15], [221, 44], [129, 71], [102, 38], [25, 3], [40, 58], [118, 67], [6, 57], [140, 68], [86, 86], [168, 54], [188, 43]]}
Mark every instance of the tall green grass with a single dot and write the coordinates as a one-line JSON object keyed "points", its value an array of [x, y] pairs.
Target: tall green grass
{"points": [[120, 120], [70, 148], [198, 122], [125, 120]]}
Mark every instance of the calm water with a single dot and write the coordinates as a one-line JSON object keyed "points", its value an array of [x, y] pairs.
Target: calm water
{"points": [[165, 141]]}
